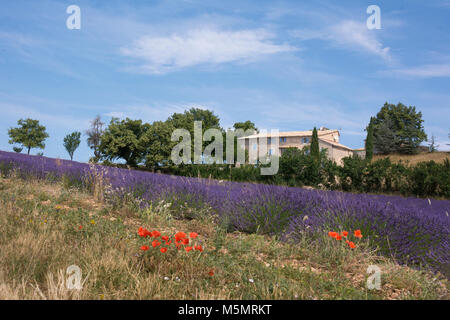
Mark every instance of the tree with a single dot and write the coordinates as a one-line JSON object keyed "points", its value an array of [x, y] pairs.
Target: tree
{"points": [[18, 150], [30, 134], [157, 144], [245, 125], [315, 152], [186, 121], [71, 143], [94, 134], [369, 141], [400, 124], [123, 140]]}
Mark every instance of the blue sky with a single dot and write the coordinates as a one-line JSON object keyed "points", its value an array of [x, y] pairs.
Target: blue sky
{"points": [[286, 65]]}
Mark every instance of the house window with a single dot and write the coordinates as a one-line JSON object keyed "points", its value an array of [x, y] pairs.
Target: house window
{"points": [[282, 140], [269, 140], [305, 140]]}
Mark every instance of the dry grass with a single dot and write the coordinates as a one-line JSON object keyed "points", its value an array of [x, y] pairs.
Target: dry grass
{"points": [[39, 239], [416, 158]]}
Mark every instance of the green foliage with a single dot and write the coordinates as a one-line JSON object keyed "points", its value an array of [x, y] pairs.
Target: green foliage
{"points": [[17, 149], [398, 128], [247, 125], [315, 145], [30, 134], [124, 140], [351, 174], [157, 144], [71, 143], [369, 141]]}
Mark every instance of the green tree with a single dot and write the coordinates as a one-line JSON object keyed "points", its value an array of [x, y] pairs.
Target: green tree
{"points": [[29, 134], [401, 125], [157, 144], [17, 149], [245, 125], [71, 143], [186, 121], [369, 141], [94, 134], [315, 152], [123, 140]]}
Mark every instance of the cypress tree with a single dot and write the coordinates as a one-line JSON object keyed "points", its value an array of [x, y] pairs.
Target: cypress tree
{"points": [[315, 153], [369, 141]]}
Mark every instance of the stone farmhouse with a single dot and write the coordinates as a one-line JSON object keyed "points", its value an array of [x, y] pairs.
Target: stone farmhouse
{"points": [[328, 139]]}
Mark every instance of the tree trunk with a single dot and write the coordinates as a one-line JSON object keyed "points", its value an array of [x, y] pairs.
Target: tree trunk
{"points": [[29, 150]]}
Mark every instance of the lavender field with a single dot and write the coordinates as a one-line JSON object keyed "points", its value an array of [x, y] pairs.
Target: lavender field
{"points": [[414, 231]]}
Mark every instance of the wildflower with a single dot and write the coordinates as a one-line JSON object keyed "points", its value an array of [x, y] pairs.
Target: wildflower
{"points": [[92, 221], [80, 227], [166, 278], [177, 279], [155, 243], [102, 296], [144, 248], [251, 280], [144, 232], [168, 242], [179, 236], [163, 250], [347, 242], [338, 237], [332, 234], [155, 234], [165, 238], [199, 248], [211, 272], [188, 249], [358, 234], [193, 235], [351, 244], [185, 241], [344, 234]]}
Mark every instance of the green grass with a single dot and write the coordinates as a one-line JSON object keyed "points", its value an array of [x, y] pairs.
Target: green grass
{"points": [[40, 238]]}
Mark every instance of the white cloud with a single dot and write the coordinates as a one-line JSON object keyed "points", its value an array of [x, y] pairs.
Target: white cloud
{"points": [[349, 34], [201, 46], [424, 71]]}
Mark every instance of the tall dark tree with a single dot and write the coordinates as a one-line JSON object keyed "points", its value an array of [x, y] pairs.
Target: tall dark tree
{"points": [[124, 140], [71, 143], [315, 152], [369, 141], [400, 127], [29, 134], [94, 134]]}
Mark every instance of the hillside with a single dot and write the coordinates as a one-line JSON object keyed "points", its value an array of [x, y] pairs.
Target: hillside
{"points": [[438, 157], [45, 227]]}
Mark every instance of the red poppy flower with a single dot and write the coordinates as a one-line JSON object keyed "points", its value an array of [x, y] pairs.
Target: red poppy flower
{"points": [[163, 250], [80, 227], [351, 244], [332, 234], [168, 242], [179, 236], [155, 243], [193, 235], [144, 248], [358, 234], [188, 249], [347, 242], [185, 241], [156, 234], [338, 237], [211, 273], [144, 232], [199, 248], [344, 234], [165, 238]]}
